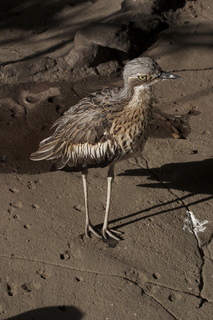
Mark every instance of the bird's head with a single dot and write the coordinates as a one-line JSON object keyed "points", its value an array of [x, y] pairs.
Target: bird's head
{"points": [[145, 72]]}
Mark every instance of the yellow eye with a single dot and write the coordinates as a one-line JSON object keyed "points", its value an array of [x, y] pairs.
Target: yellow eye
{"points": [[142, 78]]}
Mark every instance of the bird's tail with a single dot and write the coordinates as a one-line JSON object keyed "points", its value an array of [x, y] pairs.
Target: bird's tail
{"points": [[45, 151]]}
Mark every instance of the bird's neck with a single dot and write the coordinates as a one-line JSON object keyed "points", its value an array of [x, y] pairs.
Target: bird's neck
{"points": [[136, 96]]}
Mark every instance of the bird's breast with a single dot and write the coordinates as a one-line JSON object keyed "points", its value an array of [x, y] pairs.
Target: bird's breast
{"points": [[130, 130]]}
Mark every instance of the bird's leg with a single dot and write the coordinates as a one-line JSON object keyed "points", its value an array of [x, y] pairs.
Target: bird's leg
{"points": [[88, 226], [105, 230]]}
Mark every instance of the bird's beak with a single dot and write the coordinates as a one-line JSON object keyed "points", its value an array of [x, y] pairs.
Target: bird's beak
{"points": [[167, 75]]}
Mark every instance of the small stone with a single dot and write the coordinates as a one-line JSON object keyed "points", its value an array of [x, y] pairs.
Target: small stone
{"points": [[13, 190], [207, 131], [194, 151], [16, 216], [27, 226], [16, 204], [65, 255], [175, 135], [30, 99], [78, 208], [161, 200], [171, 297], [10, 210], [149, 201], [31, 185], [11, 289], [78, 279], [156, 275], [35, 206]]}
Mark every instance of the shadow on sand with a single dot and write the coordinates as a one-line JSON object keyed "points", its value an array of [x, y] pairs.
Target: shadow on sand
{"points": [[193, 177], [51, 313]]}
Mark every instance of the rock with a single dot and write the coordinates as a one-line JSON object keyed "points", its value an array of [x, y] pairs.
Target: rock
{"points": [[88, 40], [108, 67]]}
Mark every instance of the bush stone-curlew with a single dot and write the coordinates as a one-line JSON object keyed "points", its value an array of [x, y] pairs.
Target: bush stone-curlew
{"points": [[104, 128]]}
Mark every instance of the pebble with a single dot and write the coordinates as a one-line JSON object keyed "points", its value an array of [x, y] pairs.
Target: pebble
{"points": [[16, 216], [207, 131], [27, 226], [65, 255], [194, 151], [150, 201], [78, 208], [11, 289], [78, 279], [16, 204], [156, 275], [13, 190], [35, 206], [176, 135]]}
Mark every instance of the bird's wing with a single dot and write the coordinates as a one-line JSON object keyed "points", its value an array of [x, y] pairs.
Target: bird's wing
{"points": [[82, 137]]}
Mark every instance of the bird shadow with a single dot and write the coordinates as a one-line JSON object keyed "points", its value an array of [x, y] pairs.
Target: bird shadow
{"points": [[51, 313], [195, 177]]}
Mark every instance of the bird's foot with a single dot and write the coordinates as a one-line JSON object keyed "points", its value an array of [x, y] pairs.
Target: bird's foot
{"points": [[90, 229], [111, 233]]}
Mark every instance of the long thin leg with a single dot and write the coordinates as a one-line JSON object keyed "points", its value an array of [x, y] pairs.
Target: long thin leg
{"points": [[88, 226], [106, 231]]}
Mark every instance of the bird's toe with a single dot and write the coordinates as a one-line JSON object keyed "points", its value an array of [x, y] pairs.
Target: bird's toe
{"points": [[90, 229], [111, 233]]}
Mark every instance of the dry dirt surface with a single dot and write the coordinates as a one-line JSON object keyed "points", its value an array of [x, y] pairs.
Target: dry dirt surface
{"points": [[52, 54]]}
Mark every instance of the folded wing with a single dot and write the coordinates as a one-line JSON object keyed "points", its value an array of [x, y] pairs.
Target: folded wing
{"points": [[81, 138]]}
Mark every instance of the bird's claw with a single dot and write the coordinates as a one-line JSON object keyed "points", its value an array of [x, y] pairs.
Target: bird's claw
{"points": [[111, 233], [106, 232], [90, 229]]}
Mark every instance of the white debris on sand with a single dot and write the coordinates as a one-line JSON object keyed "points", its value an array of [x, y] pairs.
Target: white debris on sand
{"points": [[193, 225]]}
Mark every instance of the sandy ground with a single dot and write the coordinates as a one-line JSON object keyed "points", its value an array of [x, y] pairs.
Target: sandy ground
{"points": [[163, 202]]}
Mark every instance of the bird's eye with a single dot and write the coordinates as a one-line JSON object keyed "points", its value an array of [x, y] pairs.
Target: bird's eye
{"points": [[142, 78]]}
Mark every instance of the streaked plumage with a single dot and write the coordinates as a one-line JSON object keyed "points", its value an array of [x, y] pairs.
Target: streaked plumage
{"points": [[105, 127]]}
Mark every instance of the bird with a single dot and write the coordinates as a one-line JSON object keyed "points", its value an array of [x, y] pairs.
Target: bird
{"points": [[104, 128]]}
